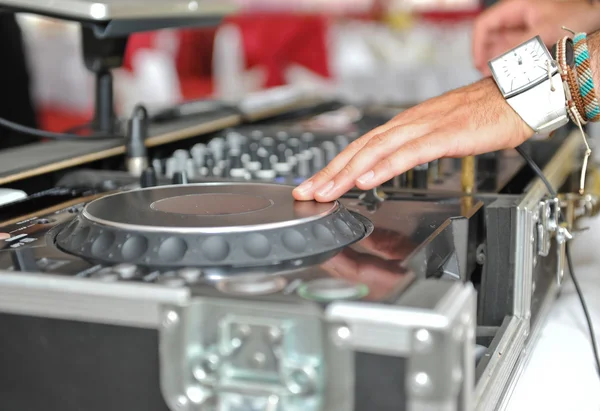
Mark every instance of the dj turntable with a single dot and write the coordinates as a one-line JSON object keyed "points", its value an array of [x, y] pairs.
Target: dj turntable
{"points": [[261, 266], [202, 284]]}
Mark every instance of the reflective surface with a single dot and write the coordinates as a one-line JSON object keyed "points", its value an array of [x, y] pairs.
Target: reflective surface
{"points": [[198, 206], [412, 238]]}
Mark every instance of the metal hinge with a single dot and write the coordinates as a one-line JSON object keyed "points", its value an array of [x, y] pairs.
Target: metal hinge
{"points": [[547, 219]]}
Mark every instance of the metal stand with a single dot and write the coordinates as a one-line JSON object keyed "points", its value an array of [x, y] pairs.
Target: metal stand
{"points": [[101, 55]]}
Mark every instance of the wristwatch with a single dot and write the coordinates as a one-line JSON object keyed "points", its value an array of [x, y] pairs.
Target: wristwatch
{"points": [[529, 80]]}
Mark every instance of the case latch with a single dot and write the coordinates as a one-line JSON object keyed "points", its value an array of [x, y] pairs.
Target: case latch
{"points": [[549, 225], [237, 362]]}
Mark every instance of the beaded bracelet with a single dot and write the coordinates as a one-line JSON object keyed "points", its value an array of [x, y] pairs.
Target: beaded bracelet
{"points": [[579, 92], [584, 77]]}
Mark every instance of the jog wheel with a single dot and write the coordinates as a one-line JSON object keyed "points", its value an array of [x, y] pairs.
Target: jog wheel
{"points": [[236, 225]]}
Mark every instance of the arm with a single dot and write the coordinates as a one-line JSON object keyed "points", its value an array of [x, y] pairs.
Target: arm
{"points": [[468, 121], [594, 49]]}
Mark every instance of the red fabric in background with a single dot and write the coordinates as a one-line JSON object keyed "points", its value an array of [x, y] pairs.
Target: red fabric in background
{"points": [[194, 57], [274, 41]]}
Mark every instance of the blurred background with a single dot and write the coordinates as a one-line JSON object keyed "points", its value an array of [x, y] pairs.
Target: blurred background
{"points": [[380, 51]]}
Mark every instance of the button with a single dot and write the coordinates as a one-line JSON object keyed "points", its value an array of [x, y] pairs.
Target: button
{"points": [[198, 153], [332, 289], [282, 136], [172, 249], [103, 243], [126, 271], [180, 177], [294, 241], [148, 178], [323, 235], [343, 228], [134, 247], [257, 246], [420, 176], [215, 248]]}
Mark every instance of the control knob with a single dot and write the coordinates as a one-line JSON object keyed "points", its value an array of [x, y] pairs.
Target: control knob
{"points": [[148, 178], [236, 168], [420, 176], [266, 171], [180, 178]]}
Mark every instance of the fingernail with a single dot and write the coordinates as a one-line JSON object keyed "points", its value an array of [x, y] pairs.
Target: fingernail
{"points": [[365, 178], [304, 186], [326, 189]]}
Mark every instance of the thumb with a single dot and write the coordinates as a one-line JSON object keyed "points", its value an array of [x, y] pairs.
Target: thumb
{"points": [[506, 16], [509, 40]]}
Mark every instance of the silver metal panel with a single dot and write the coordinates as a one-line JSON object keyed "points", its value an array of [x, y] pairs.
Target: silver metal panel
{"points": [[78, 299], [502, 370], [438, 342], [104, 10], [491, 386], [534, 336], [219, 351]]}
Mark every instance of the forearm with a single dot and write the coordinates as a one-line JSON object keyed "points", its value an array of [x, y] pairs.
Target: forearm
{"points": [[594, 51]]}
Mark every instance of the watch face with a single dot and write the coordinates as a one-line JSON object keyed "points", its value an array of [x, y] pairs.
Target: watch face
{"points": [[523, 66]]}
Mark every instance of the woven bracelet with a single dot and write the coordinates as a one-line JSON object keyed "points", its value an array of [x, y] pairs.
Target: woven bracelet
{"points": [[575, 105], [584, 77]]}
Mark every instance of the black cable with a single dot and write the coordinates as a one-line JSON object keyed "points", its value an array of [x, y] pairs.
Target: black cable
{"points": [[586, 312], [588, 318], [77, 129], [54, 136], [537, 170]]}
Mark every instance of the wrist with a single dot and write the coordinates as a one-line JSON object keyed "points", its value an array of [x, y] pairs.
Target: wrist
{"points": [[594, 52], [515, 121]]}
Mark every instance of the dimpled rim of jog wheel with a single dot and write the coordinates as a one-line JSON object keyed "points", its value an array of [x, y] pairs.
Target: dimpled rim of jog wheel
{"points": [[211, 225]]}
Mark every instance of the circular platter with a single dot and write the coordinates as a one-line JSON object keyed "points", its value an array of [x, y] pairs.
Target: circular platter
{"points": [[211, 225]]}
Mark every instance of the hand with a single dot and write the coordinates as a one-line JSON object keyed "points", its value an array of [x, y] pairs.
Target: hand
{"points": [[471, 120], [511, 22]]}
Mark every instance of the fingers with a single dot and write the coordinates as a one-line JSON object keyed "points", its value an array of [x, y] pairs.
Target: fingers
{"points": [[507, 41], [305, 191], [378, 147], [416, 152]]}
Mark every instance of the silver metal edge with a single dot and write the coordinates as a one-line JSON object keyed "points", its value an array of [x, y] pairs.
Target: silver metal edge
{"points": [[82, 299], [372, 325], [336, 206], [491, 391], [534, 336]]}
